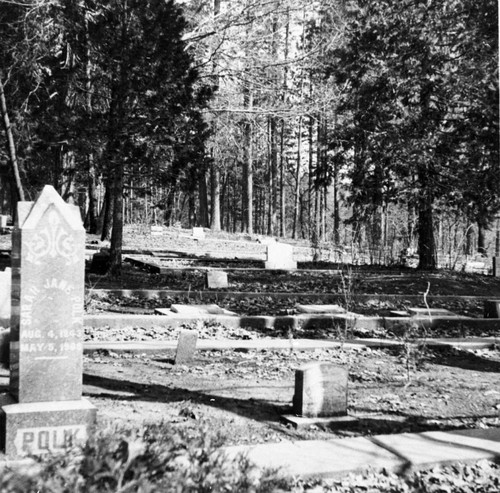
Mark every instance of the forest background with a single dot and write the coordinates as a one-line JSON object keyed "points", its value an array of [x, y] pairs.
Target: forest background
{"points": [[360, 123]]}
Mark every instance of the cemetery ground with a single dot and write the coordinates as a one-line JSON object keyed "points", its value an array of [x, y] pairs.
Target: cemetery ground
{"points": [[238, 396]]}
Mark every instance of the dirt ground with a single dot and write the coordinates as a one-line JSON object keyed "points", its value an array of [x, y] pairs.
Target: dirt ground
{"points": [[242, 394]]}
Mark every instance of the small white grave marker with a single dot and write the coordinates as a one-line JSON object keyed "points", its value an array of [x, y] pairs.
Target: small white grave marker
{"points": [[280, 256]]}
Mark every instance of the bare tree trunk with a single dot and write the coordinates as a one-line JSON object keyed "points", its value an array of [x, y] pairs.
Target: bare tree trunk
{"points": [[282, 182], [481, 237], [296, 210], [426, 243], [215, 198], [248, 165], [283, 125], [92, 212], [106, 217], [115, 267], [203, 201], [91, 222], [11, 148]]}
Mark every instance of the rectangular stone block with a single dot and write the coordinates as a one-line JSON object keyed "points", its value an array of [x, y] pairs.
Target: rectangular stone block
{"points": [[280, 256], [156, 230], [5, 296], [38, 428], [496, 266], [320, 390], [186, 346], [216, 279], [199, 233], [492, 309]]}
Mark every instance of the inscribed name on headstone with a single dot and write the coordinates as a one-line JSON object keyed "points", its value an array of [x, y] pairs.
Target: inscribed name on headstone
{"points": [[280, 256], [320, 390], [48, 245], [216, 279], [186, 346], [198, 233]]}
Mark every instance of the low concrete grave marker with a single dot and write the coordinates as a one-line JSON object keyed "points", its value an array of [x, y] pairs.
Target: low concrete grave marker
{"points": [[216, 279], [44, 410], [5, 294], [3, 222], [280, 256], [186, 346], [199, 233], [320, 396], [156, 230], [320, 390], [492, 309], [496, 266]]}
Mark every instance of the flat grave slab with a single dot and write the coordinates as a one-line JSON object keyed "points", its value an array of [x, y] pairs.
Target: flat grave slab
{"points": [[320, 308], [194, 310], [433, 312], [332, 422], [399, 313]]}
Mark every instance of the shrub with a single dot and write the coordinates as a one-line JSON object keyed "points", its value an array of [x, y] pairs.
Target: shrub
{"points": [[156, 459]]}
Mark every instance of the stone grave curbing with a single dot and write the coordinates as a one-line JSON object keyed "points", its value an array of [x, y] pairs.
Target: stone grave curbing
{"points": [[44, 410], [280, 256], [186, 346], [320, 396]]}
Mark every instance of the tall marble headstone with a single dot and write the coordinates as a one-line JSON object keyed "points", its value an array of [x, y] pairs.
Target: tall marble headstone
{"points": [[44, 410]]}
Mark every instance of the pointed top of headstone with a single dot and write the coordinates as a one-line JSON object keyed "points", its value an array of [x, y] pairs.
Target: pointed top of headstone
{"points": [[30, 213]]}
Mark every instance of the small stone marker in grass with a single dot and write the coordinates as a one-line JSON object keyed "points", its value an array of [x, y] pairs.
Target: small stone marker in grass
{"points": [[5, 295], [186, 346], [320, 396], [44, 410], [496, 266], [280, 256], [492, 309], [156, 230], [198, 233], [216, 279]]}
